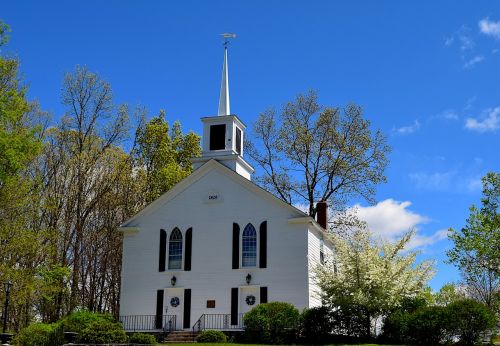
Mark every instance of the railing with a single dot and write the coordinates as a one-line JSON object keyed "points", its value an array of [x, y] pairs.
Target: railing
{"points": [[218, 322], [132, 323], [55, 338]]}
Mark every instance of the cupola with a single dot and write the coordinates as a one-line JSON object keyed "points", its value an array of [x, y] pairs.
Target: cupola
{"points": [[223, 134]]}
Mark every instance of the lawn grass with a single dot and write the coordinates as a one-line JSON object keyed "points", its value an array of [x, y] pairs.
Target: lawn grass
{"points": [[231, 344]]}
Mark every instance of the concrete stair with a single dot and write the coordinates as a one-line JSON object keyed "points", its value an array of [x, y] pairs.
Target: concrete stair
{"points": [[180, 337]]}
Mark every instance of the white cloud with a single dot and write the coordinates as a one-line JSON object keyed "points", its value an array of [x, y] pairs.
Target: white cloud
{"points": [[449, 41], [466, 42], [474, 184], [489, 27], [422, 240], [474, 61], [470, 103], [389, 218], [406, 130], [449, 114], [490, 121], [432, 181]]}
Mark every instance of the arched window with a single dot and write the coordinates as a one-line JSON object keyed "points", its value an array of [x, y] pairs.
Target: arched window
{"points": [[175, 250], [249, 247]]}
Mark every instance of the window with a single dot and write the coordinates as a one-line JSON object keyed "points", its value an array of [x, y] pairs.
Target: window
{"points": [[218, 137], [175, 250], [249, 248], [238, 141]]}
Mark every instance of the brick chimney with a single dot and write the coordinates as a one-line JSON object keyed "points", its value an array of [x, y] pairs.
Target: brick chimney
{"points": [[322, 214]]}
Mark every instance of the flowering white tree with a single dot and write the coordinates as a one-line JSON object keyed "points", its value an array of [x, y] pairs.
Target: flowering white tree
{"points": [[370, 276]]}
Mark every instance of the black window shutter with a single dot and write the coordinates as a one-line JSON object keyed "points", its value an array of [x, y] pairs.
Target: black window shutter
{"points": [[234, 306], [189, 245], [159, 309], [236, 246], [163, 248], [187, 308], [263, 245], [238, 141], [263, 295]]}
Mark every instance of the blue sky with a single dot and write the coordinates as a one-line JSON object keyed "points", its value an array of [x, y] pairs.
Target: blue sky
{"points": [[426, 73]]}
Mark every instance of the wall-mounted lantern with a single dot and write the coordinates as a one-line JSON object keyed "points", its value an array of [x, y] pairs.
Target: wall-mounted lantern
{"points": [[248, 279], [173, 280]]}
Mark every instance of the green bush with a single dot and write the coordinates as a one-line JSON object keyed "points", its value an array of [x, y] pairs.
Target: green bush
{"points": [[273, 323], [211, 336], [79, 320], [35, 334], [316, 325], [429, 326], [102, 332], [469, 320], [395, 326], [142, 338], [396, 323]]}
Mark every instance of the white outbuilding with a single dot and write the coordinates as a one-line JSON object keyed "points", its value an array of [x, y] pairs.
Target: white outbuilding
{"points": [[216, 244]]}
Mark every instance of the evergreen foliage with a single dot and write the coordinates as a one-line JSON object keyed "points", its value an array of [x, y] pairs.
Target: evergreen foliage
{"points": [[273, 323], [142, 338], [211, 336]]}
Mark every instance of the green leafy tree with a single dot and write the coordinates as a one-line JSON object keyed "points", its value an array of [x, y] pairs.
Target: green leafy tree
{"points": [[22, 247], [163, 154], [19, 142], [309, 153], [4, 29], [476, 246], [374, 276], [448, 294]]}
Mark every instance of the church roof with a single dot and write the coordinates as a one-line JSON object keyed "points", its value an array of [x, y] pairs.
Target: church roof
{"points": [[198, 174]]}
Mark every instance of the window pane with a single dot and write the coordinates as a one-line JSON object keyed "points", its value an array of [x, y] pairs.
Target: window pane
{"points": [[249, 247], [175, 250], [218, 137]]}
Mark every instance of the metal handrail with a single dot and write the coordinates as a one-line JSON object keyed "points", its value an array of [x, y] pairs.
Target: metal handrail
{"points": [[133, 323], [218, 322]]}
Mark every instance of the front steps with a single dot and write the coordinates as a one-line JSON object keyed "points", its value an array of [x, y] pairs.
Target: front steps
{"points": [[180, 337]]}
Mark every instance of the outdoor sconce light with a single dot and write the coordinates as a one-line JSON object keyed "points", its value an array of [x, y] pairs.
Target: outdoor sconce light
{"points": [[248, 278], [173, 280], [8, 286]]}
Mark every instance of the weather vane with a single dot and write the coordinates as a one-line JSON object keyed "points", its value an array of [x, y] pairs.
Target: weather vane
{"points": [[226, 37]]}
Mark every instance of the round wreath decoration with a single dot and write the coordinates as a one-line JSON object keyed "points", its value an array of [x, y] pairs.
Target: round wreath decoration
{"points": [[250, 300], [175, 302]]}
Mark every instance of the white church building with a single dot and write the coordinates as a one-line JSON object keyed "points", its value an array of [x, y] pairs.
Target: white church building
{"points": [[216, 244]]}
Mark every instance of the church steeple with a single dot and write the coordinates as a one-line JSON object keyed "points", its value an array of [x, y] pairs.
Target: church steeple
{"points": [[224, 108], [223, 133]]}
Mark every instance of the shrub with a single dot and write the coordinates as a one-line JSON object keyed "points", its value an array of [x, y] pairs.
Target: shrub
{"points": [[274, 323], [396, 323], [470, 320], [351, 320], [79, 320], [316, 325], [396, 326], [211, 336], [142, 338], [35, 334], [102, 332], [429, 326]]}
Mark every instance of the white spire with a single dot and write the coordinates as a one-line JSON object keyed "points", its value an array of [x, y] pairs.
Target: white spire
{"points": [[224, 108]]}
